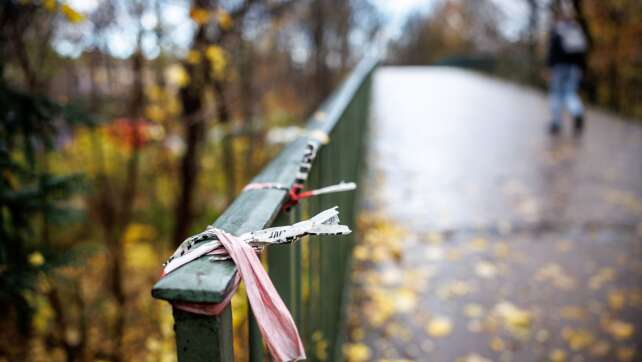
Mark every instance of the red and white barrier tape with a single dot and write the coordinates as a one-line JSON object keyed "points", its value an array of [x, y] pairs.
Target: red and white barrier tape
{"points": [[273, 318], [296, 192]]}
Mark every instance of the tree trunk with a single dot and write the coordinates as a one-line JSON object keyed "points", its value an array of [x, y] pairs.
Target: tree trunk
{"points": [[343, 29], [246, 74], [321, 74], [532, 41], [194, 128], [223, 114], [130, 190]]}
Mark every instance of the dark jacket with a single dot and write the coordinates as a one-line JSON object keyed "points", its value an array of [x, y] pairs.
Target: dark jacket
{"points": [[558, 55]]}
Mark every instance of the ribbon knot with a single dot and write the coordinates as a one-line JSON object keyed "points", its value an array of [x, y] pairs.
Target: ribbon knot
{"points": [[273, 318]]}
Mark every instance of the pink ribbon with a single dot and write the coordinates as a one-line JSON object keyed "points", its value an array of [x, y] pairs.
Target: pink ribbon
{"points": [[272, 316]]}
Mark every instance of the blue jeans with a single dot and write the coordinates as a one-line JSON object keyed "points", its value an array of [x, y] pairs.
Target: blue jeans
{"points": [[565, 81]]}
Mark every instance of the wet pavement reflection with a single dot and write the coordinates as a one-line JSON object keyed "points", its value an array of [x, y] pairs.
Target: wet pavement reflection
{"points": [[486, 239]]}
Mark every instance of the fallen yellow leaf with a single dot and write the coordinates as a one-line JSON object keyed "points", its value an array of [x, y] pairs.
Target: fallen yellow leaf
{"points": [[435, 253], [473, 310], [405, 301], [572, 312], [478, 244], [473, 358], [502, 250], [556, 275], [516, 320], [625, 354], [485, 269], [616, 299], [474, 326], [356, 352], [439, 327], [557, 355], [361, 252], [542, 335], [600, 349], [579, 339], [497, 344], [603, 276], [620, 329]]}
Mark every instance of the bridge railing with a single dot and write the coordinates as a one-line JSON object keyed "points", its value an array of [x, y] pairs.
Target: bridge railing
{"points": [[310, 275]]}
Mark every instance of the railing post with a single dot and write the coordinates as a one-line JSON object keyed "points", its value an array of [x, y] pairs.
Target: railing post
{"points": [[202, 338], [257, 352]]}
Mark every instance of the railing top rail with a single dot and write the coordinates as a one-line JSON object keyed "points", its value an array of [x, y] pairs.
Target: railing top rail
{"points": [[202, 281]]}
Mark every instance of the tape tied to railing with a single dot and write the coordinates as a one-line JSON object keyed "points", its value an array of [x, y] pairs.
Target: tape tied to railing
{"points": [[273, 318], [296, 192]]}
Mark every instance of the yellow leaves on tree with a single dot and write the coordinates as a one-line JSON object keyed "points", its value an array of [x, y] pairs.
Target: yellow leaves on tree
{"points": [[193, 57], [154, 112], [139, 252], [217, 60], [36, 259], [320, 346], [177, 75], [71, 14], [240, 310], [162, 104], [50, 5], [200, 15], [225, 21], [138, 232]]}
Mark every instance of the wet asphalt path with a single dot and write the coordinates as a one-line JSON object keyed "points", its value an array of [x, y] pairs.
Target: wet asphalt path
{"points": [[488, 240]]}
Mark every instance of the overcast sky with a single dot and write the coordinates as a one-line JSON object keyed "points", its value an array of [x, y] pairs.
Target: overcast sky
{"points": [[121, 43], [397, 11]]}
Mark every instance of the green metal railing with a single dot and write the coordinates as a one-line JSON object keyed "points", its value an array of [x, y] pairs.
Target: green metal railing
{"points": [[310, 275]]}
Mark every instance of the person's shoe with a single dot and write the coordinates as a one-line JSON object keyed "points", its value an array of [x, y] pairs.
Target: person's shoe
{"points": [[579, 124], [554, 129]]}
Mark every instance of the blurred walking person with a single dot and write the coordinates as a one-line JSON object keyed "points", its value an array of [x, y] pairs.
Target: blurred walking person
{"points": [[567, 62]]}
